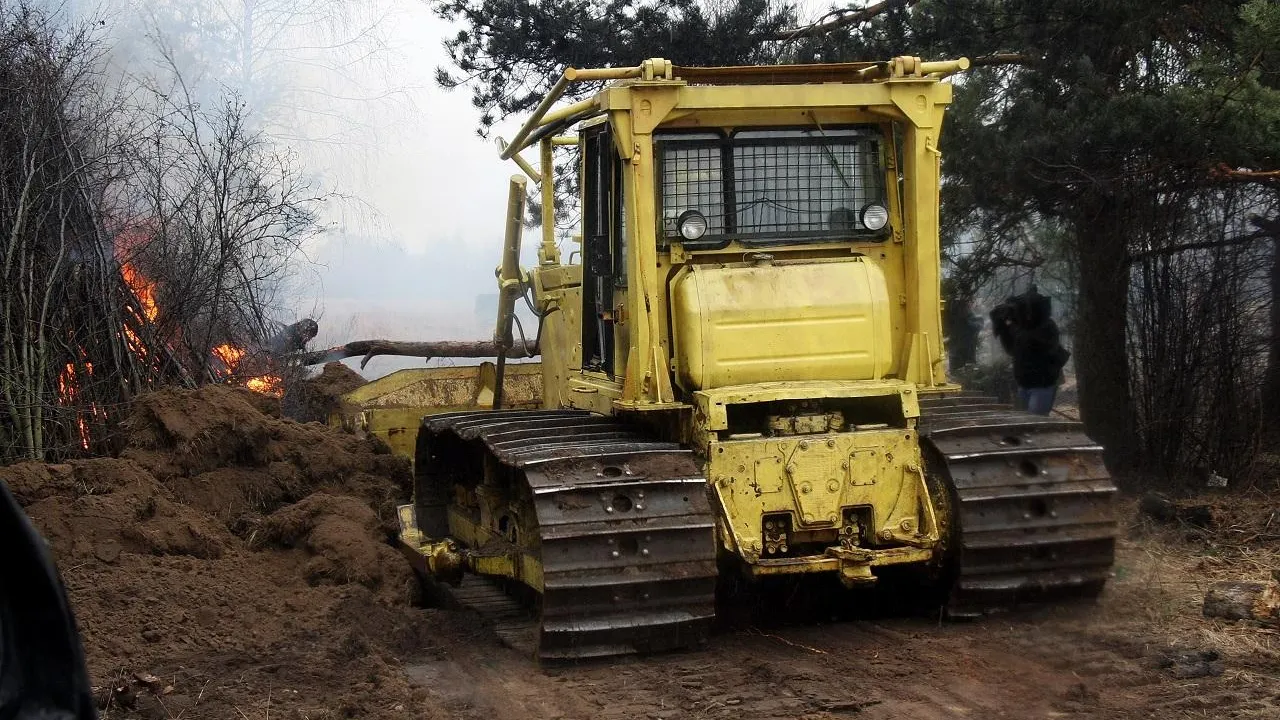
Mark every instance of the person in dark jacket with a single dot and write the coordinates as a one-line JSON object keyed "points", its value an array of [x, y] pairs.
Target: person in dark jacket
{"points": [[1025, 328]]}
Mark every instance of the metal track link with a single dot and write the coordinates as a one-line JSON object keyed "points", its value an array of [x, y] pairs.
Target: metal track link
{"points": [[624, 527], [1033, 500]]}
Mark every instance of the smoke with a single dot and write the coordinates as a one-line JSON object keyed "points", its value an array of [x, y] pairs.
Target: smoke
{"points": [[414, 227]]}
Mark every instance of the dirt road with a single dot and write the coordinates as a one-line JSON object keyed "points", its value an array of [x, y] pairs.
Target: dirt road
{"points": [[1101, 661]]}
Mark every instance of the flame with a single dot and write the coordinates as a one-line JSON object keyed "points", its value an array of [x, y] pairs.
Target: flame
{"points": [[230, 355], [143, 289], [69, 392], [66, 384], [266, 384]]}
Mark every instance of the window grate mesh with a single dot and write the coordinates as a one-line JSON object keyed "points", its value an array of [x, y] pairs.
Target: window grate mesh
{"points": [[770, 183], [803, 188], [692, 179]]}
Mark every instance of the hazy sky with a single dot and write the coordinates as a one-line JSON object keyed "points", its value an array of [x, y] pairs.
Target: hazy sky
{"points": [[441, 192], [413, 270], [408, 256]]}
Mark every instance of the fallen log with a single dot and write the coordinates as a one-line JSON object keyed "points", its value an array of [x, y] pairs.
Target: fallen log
{"points": [[1255, 601], [368, 349], [1164, 510]]}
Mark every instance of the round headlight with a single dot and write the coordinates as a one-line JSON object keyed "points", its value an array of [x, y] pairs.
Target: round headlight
{"points": [[874, 217], [693, 225]]}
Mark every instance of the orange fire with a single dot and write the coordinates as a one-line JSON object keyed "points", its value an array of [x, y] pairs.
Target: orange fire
{"points": [[265, 384], [230, 355], [68, 393], [143, 289]]}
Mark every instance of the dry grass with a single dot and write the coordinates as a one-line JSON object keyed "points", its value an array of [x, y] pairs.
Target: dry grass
{"points": [[1170, 567]]}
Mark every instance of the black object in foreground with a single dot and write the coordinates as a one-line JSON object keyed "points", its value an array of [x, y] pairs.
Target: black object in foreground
{"points": [[42, 668]]}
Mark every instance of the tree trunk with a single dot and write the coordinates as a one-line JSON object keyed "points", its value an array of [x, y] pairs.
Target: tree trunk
{"points": [[1101, 353], [442, 348], [1244, 601], [1271, 387]]}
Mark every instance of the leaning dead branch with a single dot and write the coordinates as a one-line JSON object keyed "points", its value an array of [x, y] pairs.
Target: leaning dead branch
{"points": [[368, 349]]}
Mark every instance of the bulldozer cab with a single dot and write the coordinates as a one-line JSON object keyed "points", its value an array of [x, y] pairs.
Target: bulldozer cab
{"points": [[743, 226]]}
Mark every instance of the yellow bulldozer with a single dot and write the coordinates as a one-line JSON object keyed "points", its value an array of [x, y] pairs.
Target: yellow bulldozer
{"points": [[742, 372]]}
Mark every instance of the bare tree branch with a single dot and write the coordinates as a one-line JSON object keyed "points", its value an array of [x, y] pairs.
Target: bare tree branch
{"points": [[841, 18]]}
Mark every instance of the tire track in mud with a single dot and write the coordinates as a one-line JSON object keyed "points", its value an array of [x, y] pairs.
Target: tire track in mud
{"points": [[1088, 661], [900, 669]]}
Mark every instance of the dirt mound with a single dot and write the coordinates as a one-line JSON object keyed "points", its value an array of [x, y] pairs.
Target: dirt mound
{"points": [[314, 399], [233, 563], [340, 535]]}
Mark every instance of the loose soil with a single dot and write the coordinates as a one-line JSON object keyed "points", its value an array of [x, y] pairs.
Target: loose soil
{"points": [[316, 398], [231, 564]]}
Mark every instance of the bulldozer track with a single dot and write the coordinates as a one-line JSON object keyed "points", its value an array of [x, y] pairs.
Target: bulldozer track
{"points": [[1032, 499], [623, 527], [625, 530]]}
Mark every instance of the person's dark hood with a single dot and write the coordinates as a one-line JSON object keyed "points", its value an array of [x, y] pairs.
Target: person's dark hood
{"points": [[1032, 307]]}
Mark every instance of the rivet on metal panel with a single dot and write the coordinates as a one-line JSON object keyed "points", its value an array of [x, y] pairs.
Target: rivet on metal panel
{"points": [[613, 554], [831, 442], [644, 551], [832, 485], [886, 534]]}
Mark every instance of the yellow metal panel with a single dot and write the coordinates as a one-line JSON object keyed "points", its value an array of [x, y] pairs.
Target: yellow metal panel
{"points": [[814, 477], [392, 407], [447, 387], [744, 324]]}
